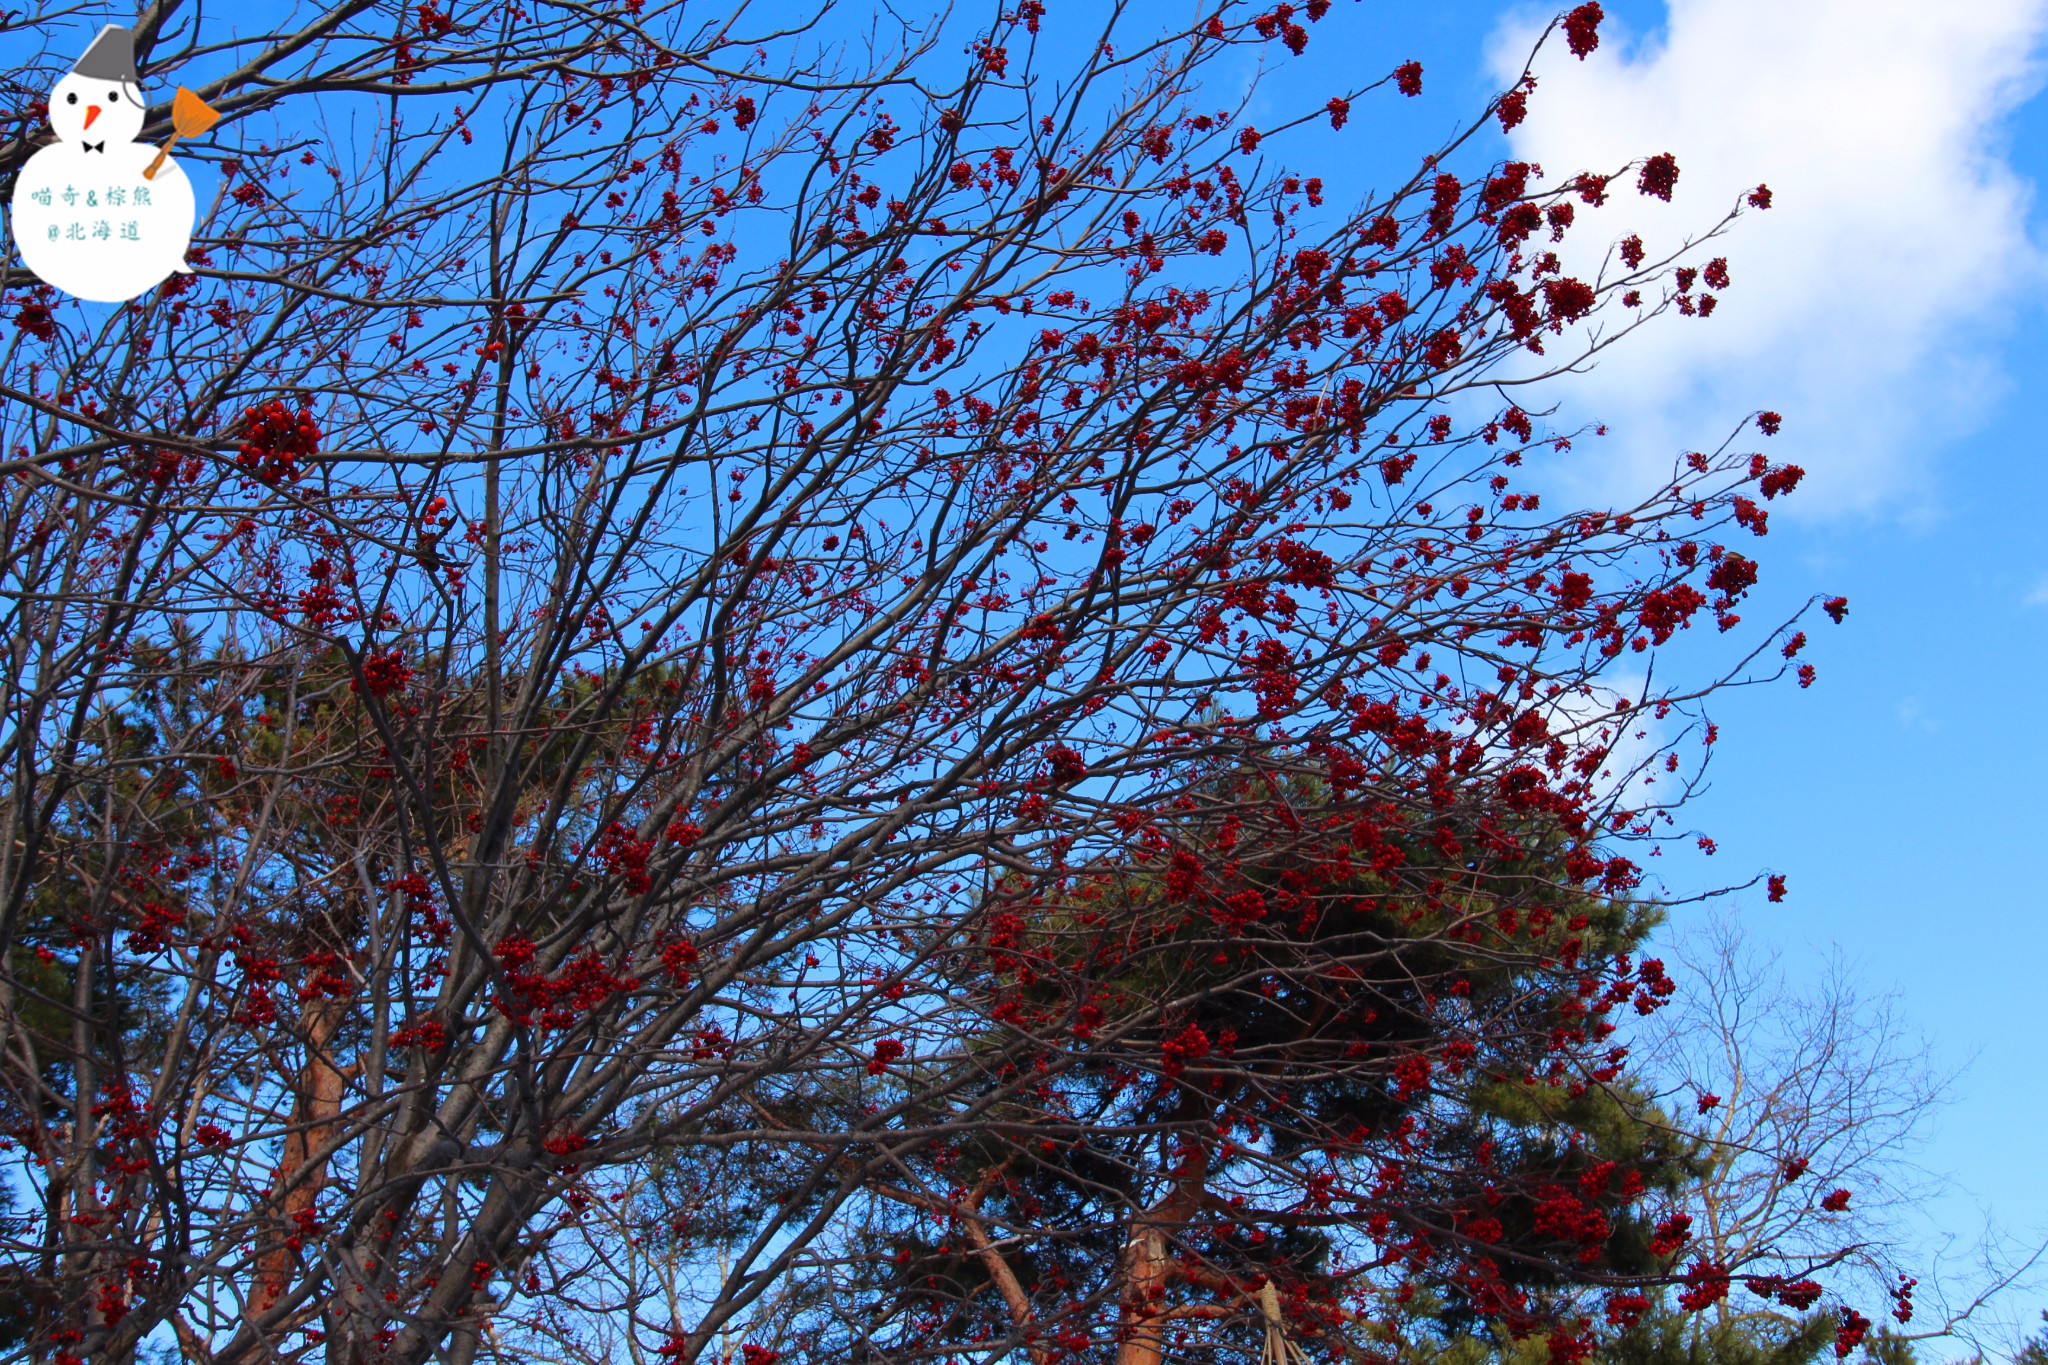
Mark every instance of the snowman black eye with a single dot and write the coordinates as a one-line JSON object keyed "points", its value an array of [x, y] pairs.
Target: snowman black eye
{"points": [[71, 98], [113, 97]]}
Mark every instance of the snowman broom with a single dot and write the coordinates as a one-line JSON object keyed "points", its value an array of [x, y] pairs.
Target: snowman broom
{"points": [[190, 116]]}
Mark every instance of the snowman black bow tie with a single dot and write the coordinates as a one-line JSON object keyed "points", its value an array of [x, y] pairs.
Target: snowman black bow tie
{"points": [[94, 146]]}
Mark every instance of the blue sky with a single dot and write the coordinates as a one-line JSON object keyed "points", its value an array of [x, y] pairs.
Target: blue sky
{"points": [[1897, 314]]}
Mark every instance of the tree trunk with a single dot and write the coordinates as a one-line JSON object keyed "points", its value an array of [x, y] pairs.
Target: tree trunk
{"points": [[302, 1173]]}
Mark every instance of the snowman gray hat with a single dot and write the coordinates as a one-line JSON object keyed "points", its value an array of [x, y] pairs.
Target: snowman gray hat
{"points": [[110, 58]]}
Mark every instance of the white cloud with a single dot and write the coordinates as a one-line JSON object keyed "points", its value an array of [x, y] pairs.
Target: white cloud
{"points": [[1914, 715], [1865, 301]]}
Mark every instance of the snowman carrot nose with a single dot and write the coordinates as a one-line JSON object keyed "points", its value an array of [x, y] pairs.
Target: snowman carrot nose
{"points": [[92, 111]]}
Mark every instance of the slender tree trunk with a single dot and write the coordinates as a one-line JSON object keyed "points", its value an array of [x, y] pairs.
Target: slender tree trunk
{"points": [[1149, 1263], [302, 1173]]}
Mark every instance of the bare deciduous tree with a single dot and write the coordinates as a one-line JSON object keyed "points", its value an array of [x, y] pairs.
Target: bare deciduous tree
{"points": [[1809, 1101], [560, 653]]}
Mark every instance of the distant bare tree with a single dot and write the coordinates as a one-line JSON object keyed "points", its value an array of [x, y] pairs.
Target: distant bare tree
{"points": [[1808, 1098]]}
